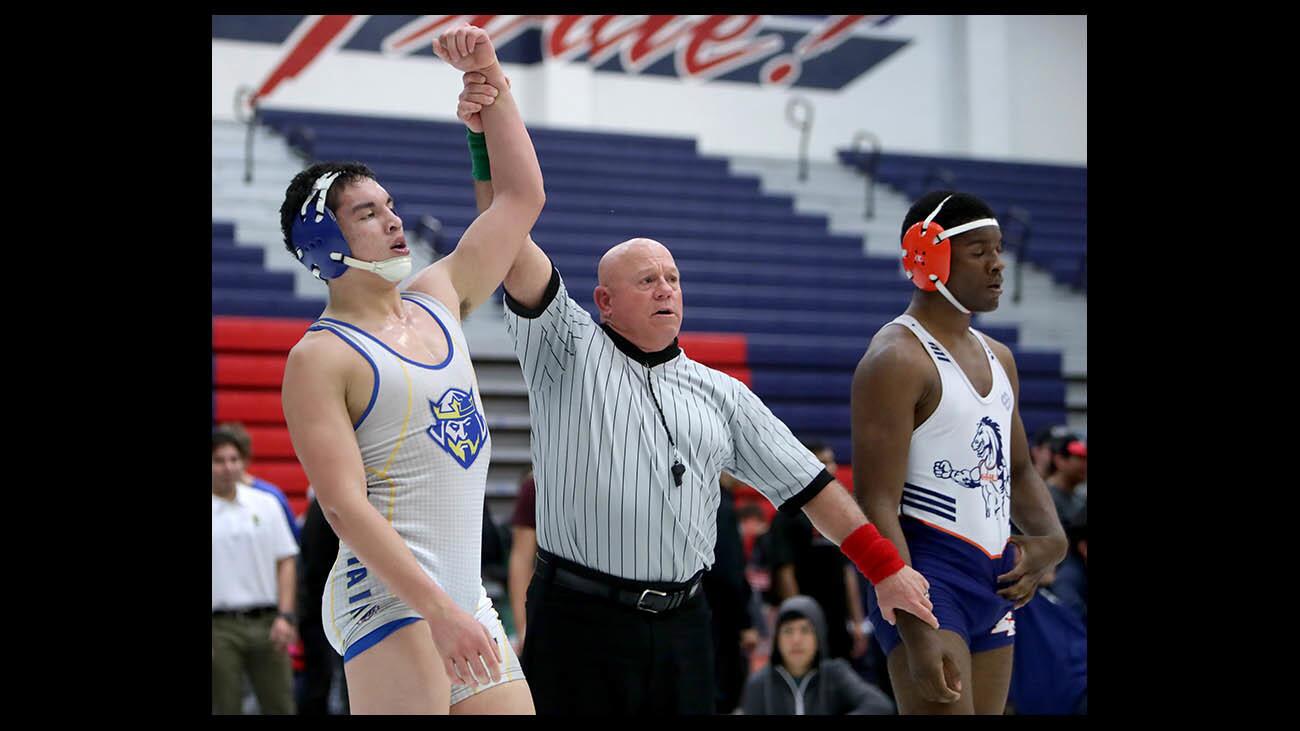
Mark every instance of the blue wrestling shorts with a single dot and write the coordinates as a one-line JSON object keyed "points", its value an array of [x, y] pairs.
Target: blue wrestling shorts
{"points": [[963, 587]]}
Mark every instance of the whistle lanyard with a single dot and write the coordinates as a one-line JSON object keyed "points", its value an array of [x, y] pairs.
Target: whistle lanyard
{"points": [[678, 468]]}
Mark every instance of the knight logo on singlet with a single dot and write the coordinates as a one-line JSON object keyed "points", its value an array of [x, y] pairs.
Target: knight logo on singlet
{"points": [[989, 473], [458, 426]]}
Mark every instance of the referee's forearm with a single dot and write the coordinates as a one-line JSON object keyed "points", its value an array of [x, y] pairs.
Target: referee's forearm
{"points": [[834, 512]]}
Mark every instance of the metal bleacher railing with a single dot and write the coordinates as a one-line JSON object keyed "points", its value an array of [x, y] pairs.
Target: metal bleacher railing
{"points": [[804, 126], [246, 113], [868, 164]]}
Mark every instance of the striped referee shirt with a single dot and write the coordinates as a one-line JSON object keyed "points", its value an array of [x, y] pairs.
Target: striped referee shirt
{"points": [[602, 461]]}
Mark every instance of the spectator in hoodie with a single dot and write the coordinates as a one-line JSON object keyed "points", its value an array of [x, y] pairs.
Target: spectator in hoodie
{"points": [[801, 680]]}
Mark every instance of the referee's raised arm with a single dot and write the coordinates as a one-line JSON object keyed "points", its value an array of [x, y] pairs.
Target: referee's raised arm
{"points": [[527, 279]]}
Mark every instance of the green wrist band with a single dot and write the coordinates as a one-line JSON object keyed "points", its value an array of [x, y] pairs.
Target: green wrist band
{"points": [[478, 155]]}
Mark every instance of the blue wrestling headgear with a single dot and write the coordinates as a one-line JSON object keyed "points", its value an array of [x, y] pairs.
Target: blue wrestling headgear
{"points": [[321, 247]]}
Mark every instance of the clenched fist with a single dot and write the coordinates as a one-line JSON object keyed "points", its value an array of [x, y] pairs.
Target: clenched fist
{"points": [[466, 48]]}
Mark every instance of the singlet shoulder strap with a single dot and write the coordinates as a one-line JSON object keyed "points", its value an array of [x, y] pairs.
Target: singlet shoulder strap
{"points": [[336, 327], [362, 347], [984, 341], [428, 301], [450, 326], [936, 351]]}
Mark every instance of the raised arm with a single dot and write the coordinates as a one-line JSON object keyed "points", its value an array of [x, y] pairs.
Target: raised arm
{"points": [[530, 272], [1044, 543], [315, 410], [492, 242]]}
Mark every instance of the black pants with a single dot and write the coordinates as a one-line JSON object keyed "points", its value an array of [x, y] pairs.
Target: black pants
{"points": [[585, 655], [321, 663]]}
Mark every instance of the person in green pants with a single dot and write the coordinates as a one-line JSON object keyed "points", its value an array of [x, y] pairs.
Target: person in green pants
{"points": [[253, 575]]}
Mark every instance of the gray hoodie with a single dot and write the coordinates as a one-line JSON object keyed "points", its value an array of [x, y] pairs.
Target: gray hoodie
{"points": [[830, 687]]}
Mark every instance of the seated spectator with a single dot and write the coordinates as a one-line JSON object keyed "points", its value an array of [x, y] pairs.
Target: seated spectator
{"points": [[800, 680], [1071, 582], [1069, 471], [803, 561], [753, 525], [1040, 449]]}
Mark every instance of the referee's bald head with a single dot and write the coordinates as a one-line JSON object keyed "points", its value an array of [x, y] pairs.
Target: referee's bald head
{"points": [[639, 293], [620, 254]]}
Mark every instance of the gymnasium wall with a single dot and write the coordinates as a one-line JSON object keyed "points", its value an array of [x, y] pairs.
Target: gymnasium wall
{"points": [[1006, 87]]}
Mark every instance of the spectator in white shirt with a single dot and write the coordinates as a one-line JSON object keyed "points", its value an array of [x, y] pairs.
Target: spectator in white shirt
{"points": [[253, 574]]}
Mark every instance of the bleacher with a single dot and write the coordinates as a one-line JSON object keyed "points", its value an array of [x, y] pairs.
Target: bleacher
{"points": [[1054, 196], [770, 294]]}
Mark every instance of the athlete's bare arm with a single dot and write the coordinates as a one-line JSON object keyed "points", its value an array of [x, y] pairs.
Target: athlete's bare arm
{"points": [[319, 374], [468, 276], [854, 599], [888, 384], [1043, 544], [892, 385], [530, 271]]}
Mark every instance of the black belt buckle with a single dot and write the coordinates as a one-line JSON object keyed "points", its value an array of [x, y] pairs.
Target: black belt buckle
{"points": [[642, 599]]}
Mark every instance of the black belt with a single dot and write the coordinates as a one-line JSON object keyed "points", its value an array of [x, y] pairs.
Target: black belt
{"points": [[252, 613], [653, 601]]}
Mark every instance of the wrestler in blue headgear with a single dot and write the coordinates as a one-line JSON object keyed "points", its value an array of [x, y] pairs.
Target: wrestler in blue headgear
{"points": [[320, 245]]}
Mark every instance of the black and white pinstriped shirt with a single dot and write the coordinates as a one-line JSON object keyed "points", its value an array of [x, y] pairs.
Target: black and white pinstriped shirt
{"points": [[602, 462]]}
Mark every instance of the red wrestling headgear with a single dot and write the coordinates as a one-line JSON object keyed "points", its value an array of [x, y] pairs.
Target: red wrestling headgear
{"points": [[927, 253]]}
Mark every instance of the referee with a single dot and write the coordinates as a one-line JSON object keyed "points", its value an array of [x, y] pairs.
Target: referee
{"points": [[629, 436]]}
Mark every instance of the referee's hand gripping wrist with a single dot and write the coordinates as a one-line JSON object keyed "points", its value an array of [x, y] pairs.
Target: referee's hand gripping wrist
{"points": [[476, 94], [906, 590], [897, 585]]}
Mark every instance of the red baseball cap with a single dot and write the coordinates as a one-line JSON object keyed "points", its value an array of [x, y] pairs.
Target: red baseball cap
{"points": [[1069, 444]]}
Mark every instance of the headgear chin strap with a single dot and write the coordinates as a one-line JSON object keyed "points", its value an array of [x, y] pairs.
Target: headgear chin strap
{"points": [[321, 247], [927, 262]]}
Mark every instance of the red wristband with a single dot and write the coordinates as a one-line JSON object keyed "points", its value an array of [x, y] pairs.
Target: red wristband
{"points": [[873, 554]]}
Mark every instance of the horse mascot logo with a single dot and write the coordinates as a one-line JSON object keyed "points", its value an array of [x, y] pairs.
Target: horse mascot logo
{"points": [[458, 426], [989, 474]]}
